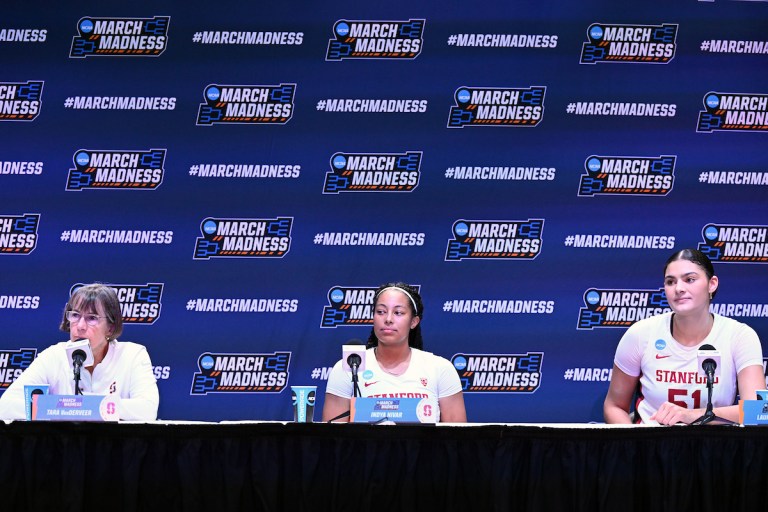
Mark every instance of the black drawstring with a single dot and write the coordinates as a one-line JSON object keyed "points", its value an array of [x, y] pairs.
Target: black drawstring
{"points": [[342, 415]]}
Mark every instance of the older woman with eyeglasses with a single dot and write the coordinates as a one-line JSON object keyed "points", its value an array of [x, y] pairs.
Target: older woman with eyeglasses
{"points": [[119, 368]]}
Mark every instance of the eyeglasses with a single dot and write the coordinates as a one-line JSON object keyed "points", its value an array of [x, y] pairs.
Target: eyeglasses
{"points": [[90, 318]]}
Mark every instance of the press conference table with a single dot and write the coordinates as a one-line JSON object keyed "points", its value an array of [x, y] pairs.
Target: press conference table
{"points": [[337, 467]]}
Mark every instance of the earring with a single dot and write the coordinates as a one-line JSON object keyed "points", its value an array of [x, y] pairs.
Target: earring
{"points": [[710, 295]]}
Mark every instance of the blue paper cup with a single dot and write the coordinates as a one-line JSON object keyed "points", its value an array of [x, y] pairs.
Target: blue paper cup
{"points": [[303, 403], [29, 392]]}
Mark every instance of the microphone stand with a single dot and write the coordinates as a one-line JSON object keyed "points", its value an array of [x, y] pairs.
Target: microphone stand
{"points": [[78, 358], [355, 383], [77, 366], [709, 414], [354, 361]]}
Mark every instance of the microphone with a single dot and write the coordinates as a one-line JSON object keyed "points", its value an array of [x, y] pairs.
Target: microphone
{"points": [[79, 352], [78, 356], [353, 356], [353, 359], [709, 363]]}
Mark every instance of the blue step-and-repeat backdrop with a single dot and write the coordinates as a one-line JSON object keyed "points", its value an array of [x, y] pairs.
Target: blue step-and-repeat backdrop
{"points": [[246, 173]]}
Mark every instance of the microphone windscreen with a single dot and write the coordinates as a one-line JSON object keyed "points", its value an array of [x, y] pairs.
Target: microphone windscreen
{"points": [[83, 346], [347, 353], [709, 360]]}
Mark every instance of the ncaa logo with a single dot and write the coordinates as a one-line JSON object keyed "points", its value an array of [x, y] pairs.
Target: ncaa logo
{"points": [[342, 28], [337, 296], [463, 96], [206, 362]]}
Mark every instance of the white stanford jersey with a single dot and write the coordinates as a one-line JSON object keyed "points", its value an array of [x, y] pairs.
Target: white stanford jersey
{"points": [[427, 376], [669, 371]]}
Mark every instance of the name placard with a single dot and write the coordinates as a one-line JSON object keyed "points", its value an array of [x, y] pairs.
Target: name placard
{"points": [[74, 408], [753, 412], [393, 410]]}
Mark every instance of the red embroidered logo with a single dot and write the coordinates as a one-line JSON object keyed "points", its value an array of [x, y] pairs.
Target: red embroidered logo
{"points": [[424, 381], [371, 383], [661, 357]]}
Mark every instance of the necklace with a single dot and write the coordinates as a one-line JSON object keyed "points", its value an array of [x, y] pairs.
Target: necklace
{"points": [[394, 374], [395, 370]]}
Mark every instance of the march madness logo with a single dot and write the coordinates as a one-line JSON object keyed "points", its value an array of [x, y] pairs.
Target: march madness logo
{"points": [[373, 172], [120, 37], [499, 373], [482, 239], [645, 44], [350, 305], [725, 111], [241, 373], [139, 303], [13, 363], [18, 233], [244, 238], [376, 40], [133, 170], [247, 104], [20, 101], [730, 243], [627, 175], [484, 106], [620, 308]]}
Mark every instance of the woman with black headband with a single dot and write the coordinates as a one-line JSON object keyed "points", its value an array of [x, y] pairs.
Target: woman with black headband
{"points": [[396, 365]]}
